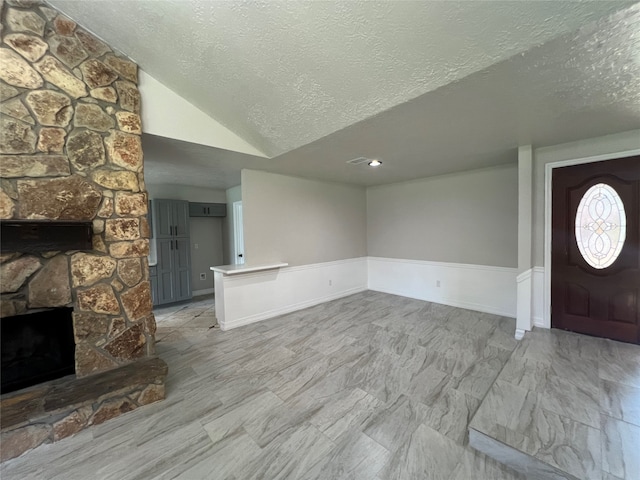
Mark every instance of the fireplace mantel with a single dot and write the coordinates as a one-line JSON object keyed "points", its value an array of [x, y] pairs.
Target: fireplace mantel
{"points": [[34, 236]]}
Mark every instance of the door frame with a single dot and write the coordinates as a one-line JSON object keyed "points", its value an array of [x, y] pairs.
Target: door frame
{"points": [[548, 176], [238, 232]]}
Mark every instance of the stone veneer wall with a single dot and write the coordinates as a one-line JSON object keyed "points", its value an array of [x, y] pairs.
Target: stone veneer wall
{"points": [[70, 148]]}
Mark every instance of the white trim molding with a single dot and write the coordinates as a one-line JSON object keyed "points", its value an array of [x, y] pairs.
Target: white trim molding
{"points": [[537, 296], [248, 298], [477, 287], [524, 317], [548, 177], [530, 300]]}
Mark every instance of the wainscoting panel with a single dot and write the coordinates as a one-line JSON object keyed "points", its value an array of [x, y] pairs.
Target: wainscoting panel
{"points": [[251, 297], [524, 318], [476, 287]]}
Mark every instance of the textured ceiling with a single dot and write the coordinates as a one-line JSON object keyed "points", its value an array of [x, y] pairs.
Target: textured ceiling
{"points": [[581, 85], [282, 74]]}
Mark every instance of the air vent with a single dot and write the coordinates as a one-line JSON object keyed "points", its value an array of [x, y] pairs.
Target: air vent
{"points": [[358, 161]]}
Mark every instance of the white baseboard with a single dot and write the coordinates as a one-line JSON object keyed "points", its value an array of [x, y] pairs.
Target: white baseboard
{"points": [[206, 291], [252, 297], [476, 287]]}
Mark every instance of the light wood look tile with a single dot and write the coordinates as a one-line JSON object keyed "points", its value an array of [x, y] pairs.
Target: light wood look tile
{"points": [[371, 386]]}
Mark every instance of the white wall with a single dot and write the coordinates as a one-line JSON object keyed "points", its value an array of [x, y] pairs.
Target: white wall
{"points": [[465, 218], [568, 151], [299, 221]]}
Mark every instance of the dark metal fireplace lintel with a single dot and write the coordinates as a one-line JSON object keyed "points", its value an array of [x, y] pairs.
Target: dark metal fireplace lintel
{"points": [[34, 236]]}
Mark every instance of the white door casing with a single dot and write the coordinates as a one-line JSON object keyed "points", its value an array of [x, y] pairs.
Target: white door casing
{"points": [[238, 234]]}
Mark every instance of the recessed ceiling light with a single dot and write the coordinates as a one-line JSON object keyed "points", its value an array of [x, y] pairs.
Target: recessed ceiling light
{"points": [[375, 163]]}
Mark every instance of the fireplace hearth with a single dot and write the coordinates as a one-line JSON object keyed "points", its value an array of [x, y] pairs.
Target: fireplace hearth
{"points": [[36, 348]]}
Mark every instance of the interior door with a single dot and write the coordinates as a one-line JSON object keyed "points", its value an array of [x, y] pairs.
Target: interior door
{"points": [[595, 249]]}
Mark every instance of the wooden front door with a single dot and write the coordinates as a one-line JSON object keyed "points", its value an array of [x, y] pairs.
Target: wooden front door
{"points": [[595, 260]]}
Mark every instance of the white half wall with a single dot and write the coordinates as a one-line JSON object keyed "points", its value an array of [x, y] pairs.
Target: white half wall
{"points": [[247, 298], [476, 287]]}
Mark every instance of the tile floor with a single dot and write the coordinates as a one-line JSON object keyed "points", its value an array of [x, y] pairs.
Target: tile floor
{"points": [[372, 386], [569, 400]]}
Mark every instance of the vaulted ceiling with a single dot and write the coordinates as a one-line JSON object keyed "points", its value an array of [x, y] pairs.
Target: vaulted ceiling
{"points": [[430, 86]]}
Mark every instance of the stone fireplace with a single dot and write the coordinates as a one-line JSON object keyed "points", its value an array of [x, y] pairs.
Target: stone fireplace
{"points": [[70, 151]]}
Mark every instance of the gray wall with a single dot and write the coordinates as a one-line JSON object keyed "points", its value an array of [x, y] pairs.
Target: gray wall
{"points": [[470, 217], [206, 233], [206, 250], [301, 221], [619, 142]]}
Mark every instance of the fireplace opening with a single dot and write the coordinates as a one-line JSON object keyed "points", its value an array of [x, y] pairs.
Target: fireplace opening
{"points": [[36, 347]]}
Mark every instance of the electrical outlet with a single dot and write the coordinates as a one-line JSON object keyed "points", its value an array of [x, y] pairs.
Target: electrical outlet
{"points": [[330, 282], [437, 283], [203, 276], [196, 246]]}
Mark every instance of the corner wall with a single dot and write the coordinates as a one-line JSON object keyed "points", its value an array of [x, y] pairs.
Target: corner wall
{"points": [[450, 239]]}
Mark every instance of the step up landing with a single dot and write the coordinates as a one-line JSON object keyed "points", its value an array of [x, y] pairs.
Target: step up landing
{"points": [[565, 406]]}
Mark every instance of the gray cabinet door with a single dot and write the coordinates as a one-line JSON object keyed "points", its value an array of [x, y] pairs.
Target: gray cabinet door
{"points": [[163, 214], [207, 209], [182, 269], [173, 277], [181, 218], [166, 271]]}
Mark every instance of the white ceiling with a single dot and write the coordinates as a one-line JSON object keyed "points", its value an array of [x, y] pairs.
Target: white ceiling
{"points": [[431, 87]]}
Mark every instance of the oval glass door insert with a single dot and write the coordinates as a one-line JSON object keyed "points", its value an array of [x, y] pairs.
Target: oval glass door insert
{"points": [[601, 226]]}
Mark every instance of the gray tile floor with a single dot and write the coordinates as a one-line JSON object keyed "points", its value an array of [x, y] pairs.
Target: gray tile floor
{"points": [[372, 386], [569, 400]]}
